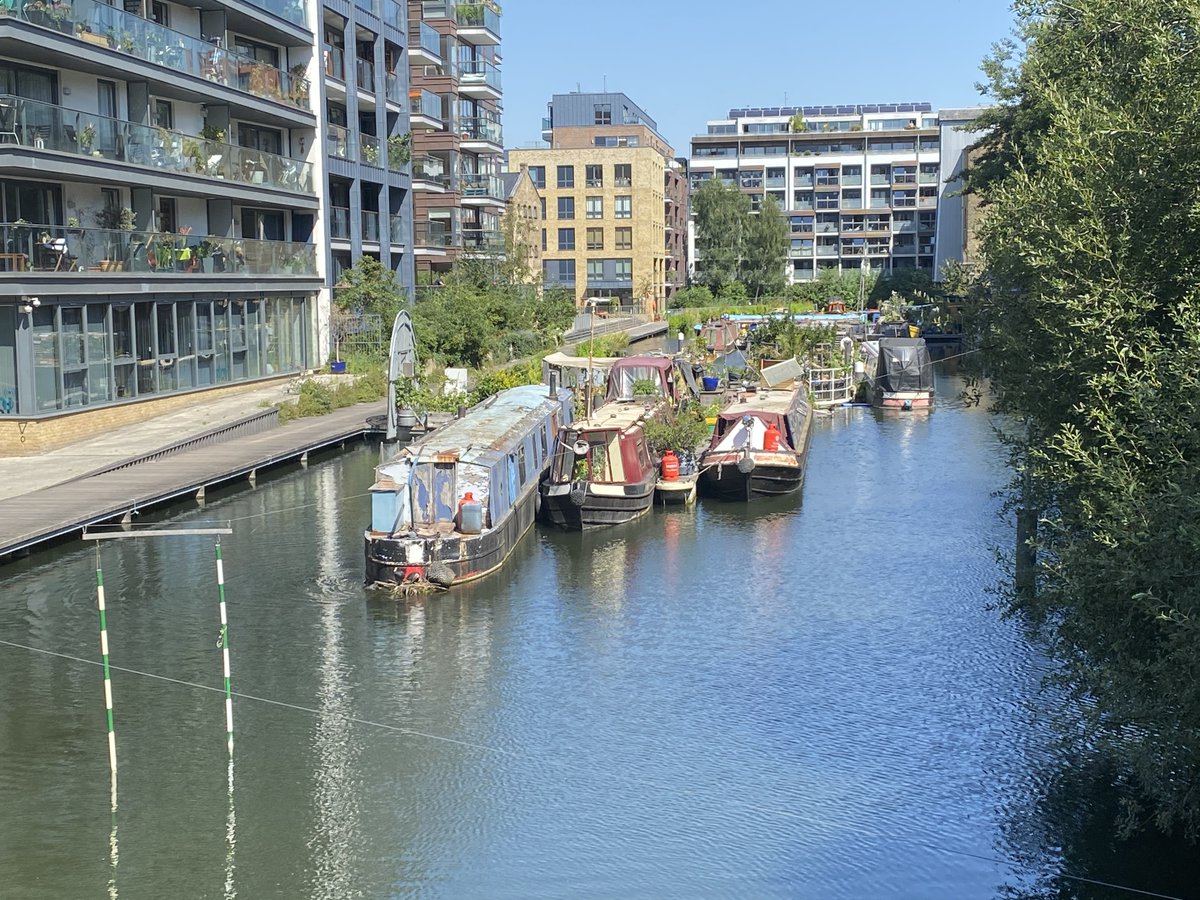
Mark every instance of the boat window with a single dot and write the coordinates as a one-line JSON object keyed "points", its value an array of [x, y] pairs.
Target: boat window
{"points": [[604, 457], [514, 485], [521, 473]]}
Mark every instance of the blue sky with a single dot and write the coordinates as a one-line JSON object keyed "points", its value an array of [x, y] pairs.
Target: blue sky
{"points": [[688, 62]]}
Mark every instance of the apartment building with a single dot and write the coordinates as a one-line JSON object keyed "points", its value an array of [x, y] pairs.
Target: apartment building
{"points": [[458, 143], [364, 95], [163, 172], [611, 193], [859, 184]]}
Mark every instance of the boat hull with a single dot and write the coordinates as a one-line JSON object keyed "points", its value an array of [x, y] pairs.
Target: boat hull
{"points": [[723, 479], [903, 400], [403, 559], [603, 505]]}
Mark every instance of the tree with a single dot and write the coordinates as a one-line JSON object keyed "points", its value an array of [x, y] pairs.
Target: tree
{"points": [[370, 287], [1091, 174], [765, 252], [722, 219]]}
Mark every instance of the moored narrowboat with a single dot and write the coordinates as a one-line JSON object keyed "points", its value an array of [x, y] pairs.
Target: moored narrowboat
{"points": [[759, 447], [451, 507], [898, 372]]}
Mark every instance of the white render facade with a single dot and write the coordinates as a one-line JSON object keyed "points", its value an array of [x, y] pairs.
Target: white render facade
{"points": [[858, 184]]}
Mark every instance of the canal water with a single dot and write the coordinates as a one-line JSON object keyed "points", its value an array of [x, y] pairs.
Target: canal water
{"points": [[805, 698]]}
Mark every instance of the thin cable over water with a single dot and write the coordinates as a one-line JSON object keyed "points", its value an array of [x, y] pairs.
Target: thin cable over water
{"points": [[557, 762]]}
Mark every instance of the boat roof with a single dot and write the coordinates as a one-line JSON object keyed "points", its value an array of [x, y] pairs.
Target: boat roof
{"points": [[491, 427], [579, 362], [617, 414], [773, 402], [662, 363]]}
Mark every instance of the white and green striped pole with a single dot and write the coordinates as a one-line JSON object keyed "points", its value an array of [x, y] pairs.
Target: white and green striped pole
{"points": [[225, 649], [108, 701]]}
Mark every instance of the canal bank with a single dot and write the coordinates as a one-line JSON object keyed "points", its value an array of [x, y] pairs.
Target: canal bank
{"points": [[806, 698]]}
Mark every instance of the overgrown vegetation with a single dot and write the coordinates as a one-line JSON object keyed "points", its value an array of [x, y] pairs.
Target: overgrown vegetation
{"points": [[317, 398], [679, 431], [1090, 176], [603, 345]]}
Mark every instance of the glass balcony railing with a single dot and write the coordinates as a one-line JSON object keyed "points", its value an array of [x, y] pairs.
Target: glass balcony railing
{"points": [[482, 186], [431, 169], [364, 71], [776, 181], [435, 234], [98, 23], [478, 15], [438, 9], [339, 223], [929, 177], [341, 143], [370, 225], [294, 11], [395, 14], [477, 128], [852, 180], [393, 88], [396, 230], [483, 239], [370, 150], [425, 103], [91, 252], [371, 6], [50, 127], [478, 72], [335, 62], [426, 39]]}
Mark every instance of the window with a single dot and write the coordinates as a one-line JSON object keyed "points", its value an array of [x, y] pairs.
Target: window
{"points": [[624, 207], [624, 269], [595, 238], [595, 207], [542, 200], [566, 239], [595, 270], [164, 113], [558, 271], [623, 175], [158, 14], [543, 240], [624, 239], [603, 114], [566, 176], [594, 176], [538, 174], [566, 207]]}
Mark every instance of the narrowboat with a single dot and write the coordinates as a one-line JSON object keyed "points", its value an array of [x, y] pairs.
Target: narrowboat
{"points": [[759, 446], [602, 472], [450, 507], [898, 372]]}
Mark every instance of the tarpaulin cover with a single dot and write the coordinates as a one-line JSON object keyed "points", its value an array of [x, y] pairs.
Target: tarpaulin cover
{"points": [[904, 365]]}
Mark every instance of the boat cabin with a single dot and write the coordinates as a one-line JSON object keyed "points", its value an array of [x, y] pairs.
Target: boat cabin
{"points": [[607, 449], [653, 377], [740, 429]]}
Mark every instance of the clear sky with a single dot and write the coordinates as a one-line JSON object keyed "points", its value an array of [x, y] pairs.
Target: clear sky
{"points": [[688, 62]]}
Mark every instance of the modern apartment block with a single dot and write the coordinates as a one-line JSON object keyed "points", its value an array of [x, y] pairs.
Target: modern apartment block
{"points": [[458, 143], [858, 184], [612, 195], [163, 172], [364, 95]]}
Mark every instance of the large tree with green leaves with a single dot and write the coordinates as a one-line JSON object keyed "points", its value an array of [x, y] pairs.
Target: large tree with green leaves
{"points": [[765, 251], [722, 217], [1091, 178]]}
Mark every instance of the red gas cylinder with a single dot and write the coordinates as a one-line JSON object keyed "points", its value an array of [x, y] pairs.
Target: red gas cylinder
{"points": [[771, 438], [670, 466]]}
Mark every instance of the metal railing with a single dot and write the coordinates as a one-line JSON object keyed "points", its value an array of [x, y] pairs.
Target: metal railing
{"points": [[91, 252], [830, 387], [45, 126], [98, 23]]}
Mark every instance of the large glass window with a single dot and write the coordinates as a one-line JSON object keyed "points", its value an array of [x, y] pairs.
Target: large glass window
{"points": [[566, 176]]}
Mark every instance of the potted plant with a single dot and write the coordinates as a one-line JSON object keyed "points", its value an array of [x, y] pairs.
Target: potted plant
{"points": [[87, 137], [193, 151], [407, 395], [59, 13], [399, 150], [204, 252], [370, 153]]}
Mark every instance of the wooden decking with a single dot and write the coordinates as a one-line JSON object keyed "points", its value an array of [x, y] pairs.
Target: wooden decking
{"points": [[53, 512]]}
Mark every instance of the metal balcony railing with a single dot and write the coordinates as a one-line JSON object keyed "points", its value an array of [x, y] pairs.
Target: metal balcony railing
{"points": [[45, 126], [98, 23], [96, 252]]}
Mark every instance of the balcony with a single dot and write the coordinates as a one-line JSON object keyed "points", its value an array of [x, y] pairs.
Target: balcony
{"points": [[294, 11], [394, 90], [425, 46], [395, 14], [106, 26], [364, 71], [851, 180], [425, 108], [903, 227], [370, 150], [396, 231], [800, 251], [478, 130], [101, 140], [335, 62], [482, 188], [339, 223], [929, 178], [802, 181], [478, 23], [85, 253], [482, 240], [827, 251], [479, 79], [341, 143], [435, 236], [776, 181], [370, 226], [429, 171]]}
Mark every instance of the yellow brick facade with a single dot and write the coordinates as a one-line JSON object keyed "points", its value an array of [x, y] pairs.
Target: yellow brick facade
{"points": [[646, 249]]}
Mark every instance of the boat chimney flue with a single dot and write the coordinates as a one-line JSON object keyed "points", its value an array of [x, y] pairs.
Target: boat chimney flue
{"points": [[462, 411], [553, 384]]}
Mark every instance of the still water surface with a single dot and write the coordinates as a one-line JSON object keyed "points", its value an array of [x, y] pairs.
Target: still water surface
{"points": [[807, 698]]}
